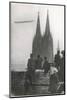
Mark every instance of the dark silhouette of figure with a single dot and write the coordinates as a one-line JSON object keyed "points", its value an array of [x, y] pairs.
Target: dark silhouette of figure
{"points": [[31, 66], [57, 60], [61, 72], [38, 62], [31, 63], [30, 74], [46, 65], [53, 82]]}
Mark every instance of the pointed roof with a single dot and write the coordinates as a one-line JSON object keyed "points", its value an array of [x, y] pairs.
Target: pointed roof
{"points": [[47, 35], [47, 29], [38, 30], [37, 39]]}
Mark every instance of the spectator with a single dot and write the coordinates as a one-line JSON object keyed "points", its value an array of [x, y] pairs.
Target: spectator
{"points": [[38, 62], [46, 65], [57, 60]]}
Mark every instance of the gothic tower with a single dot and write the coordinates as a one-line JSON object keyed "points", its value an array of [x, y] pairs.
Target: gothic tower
{"points": [[36, 47], [47, 43]]}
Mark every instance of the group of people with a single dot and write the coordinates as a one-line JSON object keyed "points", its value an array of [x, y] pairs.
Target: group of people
{"points": [[32, 65], [55, 69], [38, 63], [57, 76], [60, 64]]}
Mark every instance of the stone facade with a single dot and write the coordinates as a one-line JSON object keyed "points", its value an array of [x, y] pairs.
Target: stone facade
{"points": [[43, 46]]}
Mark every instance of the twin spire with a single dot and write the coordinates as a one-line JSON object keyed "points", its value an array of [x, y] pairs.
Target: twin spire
{"points": [[47, 28], [43, 46]]}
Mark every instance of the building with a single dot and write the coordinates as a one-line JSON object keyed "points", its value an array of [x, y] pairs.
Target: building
{"points": [[43, 45]]}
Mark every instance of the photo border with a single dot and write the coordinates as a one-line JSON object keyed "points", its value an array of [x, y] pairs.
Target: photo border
{"points": [[22, 96]]}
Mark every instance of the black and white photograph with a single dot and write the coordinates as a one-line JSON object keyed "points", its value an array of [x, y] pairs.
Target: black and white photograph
{"points": [[37, 49]]}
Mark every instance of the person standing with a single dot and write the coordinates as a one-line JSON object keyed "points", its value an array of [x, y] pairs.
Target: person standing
{"points": [[29, 74], [46, 65], [61, 72], [31, 66], [38, 62], [57, 60]]}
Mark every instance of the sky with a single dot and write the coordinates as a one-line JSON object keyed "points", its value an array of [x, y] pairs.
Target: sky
{"points": [[22, 33]]}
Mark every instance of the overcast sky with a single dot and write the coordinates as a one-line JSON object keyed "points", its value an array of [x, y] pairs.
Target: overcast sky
{"points": [[22, 33]]}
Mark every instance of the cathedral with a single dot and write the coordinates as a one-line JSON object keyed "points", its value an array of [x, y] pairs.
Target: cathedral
{"points": [[43, 45]]}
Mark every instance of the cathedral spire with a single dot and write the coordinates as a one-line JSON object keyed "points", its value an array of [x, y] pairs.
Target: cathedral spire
{"points": [[47, 29], [47, 42], [36, 47], [38, 30]]}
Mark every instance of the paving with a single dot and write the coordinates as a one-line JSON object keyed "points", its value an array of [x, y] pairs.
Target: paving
{"points": [[40, 84]]}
